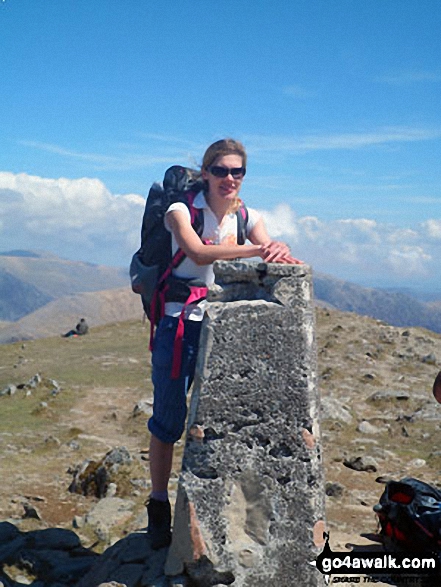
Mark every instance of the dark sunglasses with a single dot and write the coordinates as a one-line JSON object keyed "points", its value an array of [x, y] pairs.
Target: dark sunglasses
{"points": [[236, 172]]}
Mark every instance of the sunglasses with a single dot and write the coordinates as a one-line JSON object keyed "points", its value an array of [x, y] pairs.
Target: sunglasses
{"points": [[236, 172]]}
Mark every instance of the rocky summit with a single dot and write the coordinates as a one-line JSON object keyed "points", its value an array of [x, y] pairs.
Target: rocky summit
{"points": [[92, 396]]}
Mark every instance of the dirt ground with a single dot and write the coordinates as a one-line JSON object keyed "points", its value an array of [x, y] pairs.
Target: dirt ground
{"points": [[104, 376]]}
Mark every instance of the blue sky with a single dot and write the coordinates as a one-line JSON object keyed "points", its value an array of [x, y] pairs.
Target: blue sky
{"points": [[337, 102]]}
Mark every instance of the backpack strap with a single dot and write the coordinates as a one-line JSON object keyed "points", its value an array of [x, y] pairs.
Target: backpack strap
{"points": [[242, 223], [197, 294], [157, 305]]}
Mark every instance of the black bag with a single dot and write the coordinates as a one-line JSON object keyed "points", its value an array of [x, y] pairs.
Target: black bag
{"points": [[409, 513], [154, 256]]}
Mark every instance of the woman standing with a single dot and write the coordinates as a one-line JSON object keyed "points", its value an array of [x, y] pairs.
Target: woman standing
{"points": [[223, 169]]}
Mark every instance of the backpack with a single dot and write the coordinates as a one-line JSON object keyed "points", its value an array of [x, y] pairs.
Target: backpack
{"points": [[153, 263], [409, 513]]}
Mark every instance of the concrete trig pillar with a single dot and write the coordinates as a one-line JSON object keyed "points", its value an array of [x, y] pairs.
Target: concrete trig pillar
{"points": [[250, 504]]}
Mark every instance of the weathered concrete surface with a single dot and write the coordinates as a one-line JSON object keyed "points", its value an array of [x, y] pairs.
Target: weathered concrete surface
{"points": [[251, 495]]}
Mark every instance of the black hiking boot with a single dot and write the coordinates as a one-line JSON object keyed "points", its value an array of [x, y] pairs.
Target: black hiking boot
{"points": [[159, 513]]}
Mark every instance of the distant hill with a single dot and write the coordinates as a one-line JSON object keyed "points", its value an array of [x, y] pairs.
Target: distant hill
{"points": [[43, 295], [396, 309], [421, 295], [59, 316], [30, 279], [18, 297]]}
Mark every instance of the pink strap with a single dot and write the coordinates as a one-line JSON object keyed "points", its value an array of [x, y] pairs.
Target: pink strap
{"points": [[153, 306], [197, 293], [159, 294], [193, 212], [161, 288]]}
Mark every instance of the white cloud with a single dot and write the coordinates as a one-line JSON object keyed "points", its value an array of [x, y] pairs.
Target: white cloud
{"points": [[433, 228], [407, 259], [347, 141], [65, 215], [97, 161], [81, 219], [360, 248], [281, 221]]}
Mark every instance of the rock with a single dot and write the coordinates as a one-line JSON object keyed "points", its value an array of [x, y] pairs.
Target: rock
{"points": [[9, 390], [334, 489], [430, 359], [34, 381], [367, 428], [74, 445], [108, 512], [118, 456], [54, 556], [8, 532], [143, 407], [131, 562], [54, 384], [117, 467], [363, 463], [383, 479], [203, 574], [90, 478], [417, 463], [332, 409], [30, 512], [78, 522], [380, 396], [54, 539]]}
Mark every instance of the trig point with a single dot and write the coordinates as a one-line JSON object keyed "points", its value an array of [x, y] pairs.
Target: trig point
{"points": [[250, 505]]}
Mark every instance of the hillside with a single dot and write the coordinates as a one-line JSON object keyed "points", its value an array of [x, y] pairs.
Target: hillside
{"points": [[60, 315], [18, 297], [29, 280], [397, 309], [375, 383], [42, 294]]}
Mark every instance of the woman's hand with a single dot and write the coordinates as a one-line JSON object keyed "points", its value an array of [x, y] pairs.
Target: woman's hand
{"points": [[278, 252]]}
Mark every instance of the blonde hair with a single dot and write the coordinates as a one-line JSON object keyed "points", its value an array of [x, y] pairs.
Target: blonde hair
{"points": [[220, 149]]}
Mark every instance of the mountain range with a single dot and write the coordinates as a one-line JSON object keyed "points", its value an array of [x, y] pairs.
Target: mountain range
{"points": [[42, 294]]}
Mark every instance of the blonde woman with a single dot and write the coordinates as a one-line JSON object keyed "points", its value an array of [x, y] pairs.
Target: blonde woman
{"points": [[223, 169]]}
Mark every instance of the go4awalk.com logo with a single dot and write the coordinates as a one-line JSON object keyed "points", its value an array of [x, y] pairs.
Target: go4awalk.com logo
{"points": [[375, 564]]}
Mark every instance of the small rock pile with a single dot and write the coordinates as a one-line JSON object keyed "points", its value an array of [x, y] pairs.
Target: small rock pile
{"points": [[117, 473], [29, 386], [52, 556]]}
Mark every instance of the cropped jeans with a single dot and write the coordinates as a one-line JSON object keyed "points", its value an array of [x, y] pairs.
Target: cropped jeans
{"points": [[170, 395]]}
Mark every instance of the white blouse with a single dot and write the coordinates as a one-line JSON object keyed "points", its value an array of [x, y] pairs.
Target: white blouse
{"points": [[224, 233]]}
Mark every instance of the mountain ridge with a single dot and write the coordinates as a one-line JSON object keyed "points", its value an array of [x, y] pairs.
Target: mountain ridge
{"points": [[42, 294]]}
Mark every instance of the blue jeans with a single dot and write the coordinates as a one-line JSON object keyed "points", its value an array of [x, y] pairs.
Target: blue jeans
{"points": [[170, 395]]}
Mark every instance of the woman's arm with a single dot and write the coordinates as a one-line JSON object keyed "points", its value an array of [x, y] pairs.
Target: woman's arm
{"points": [[272, 251], [201, 254]]}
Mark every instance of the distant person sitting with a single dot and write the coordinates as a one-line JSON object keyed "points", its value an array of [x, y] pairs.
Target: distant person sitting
{"points": [[437, 388], [80, 329]]}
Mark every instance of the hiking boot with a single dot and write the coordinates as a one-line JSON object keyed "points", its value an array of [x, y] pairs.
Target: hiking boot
{"points": [[159, 513]]}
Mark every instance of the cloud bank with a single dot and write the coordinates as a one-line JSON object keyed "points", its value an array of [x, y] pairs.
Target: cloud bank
{"points": [[81, 219], [75, 218]]}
